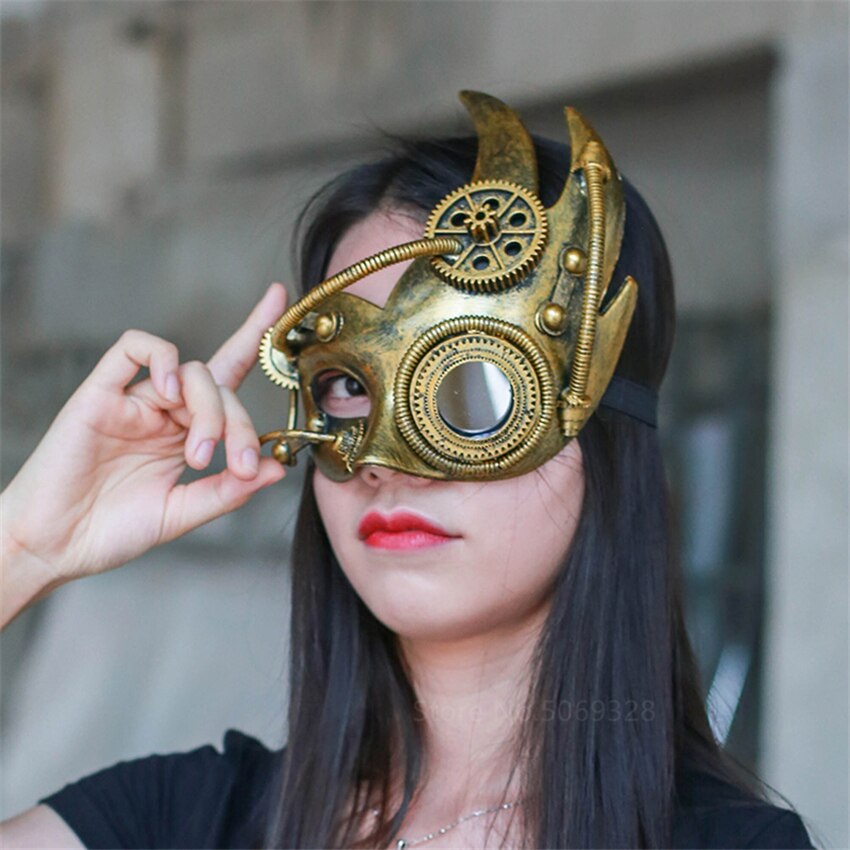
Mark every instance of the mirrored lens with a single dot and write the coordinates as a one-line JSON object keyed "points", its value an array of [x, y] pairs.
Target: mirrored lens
{"points": [[475, 398]]}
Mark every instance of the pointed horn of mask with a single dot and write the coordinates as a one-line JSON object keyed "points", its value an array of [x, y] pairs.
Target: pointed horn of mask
{"points": [[586, 146], [505, 148]]}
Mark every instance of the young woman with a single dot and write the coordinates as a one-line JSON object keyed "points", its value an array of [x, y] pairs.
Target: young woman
{"points": [[484, 663]]}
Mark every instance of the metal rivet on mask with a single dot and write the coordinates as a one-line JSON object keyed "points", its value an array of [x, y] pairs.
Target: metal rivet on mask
{"points": [[574, 261], [282, 453], [327, 326], [551, 319]]}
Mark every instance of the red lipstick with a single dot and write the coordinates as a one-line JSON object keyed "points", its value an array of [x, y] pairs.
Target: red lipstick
{"points": [[401, 530]]}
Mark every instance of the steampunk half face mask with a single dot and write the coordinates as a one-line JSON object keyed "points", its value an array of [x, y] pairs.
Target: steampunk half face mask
{"points": [[491, 352]]}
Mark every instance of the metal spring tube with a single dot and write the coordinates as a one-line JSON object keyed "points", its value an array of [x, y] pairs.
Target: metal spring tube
{"points": [[388, 257], [594, 177]]}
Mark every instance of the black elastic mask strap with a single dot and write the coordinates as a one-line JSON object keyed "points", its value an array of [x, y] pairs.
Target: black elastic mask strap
{"points": [[633, 399]]}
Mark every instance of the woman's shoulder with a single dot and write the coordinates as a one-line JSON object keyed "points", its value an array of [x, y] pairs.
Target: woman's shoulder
{"points": [[203, 797], [713, 812]]}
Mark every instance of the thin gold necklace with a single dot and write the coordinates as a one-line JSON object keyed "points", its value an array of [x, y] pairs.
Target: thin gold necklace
{"points": [[402, 843]]}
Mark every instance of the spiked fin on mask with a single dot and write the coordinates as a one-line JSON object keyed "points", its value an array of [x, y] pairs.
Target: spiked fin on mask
{"points": [[505, 148], [564, 213]]}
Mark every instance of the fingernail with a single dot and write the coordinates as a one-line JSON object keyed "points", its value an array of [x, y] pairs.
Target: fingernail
{"points": [[250, 460], [204, 452], [172, 388]]}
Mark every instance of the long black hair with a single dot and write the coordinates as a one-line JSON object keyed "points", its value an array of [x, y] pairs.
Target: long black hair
{"points": [[615, 715]]}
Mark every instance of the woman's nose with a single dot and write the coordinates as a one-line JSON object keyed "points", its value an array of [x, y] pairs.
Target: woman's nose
{"points": [[379, 475]]}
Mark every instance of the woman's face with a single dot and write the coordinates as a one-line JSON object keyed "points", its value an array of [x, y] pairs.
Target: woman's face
{"points": [[501, 542]]}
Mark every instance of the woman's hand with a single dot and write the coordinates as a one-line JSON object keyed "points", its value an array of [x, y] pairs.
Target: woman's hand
{"points": [[101, 487]]}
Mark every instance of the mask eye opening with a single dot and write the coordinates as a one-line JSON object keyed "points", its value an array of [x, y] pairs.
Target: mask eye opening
{"points": [[341, 394]]}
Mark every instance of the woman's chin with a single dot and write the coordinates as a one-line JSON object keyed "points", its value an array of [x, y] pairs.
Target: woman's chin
{"points": [[419, 626], [443, 614]]}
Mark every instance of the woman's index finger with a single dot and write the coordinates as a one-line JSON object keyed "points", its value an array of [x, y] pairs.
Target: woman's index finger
{"points": [[237, 355]]}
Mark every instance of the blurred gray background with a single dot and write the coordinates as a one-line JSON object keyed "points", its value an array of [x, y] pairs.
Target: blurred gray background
{"points": [[154, 157]]}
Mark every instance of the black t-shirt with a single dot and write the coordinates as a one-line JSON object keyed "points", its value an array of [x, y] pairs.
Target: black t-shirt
{"points": [[204, 798]]}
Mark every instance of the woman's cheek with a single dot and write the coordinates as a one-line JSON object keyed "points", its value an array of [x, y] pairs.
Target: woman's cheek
{"points": [[338, 511]]}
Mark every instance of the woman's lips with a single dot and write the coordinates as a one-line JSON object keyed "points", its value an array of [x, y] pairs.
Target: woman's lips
{"points": [[401, 530]]}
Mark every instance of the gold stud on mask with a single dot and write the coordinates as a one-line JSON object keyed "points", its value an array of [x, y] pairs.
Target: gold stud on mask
{"points": [[491, 352]]}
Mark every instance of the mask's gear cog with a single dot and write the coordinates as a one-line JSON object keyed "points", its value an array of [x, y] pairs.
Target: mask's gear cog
{"points": [[277, 367], [502, 227]]}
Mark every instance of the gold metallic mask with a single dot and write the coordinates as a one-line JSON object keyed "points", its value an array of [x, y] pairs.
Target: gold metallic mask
{"points": [[491, 352]]}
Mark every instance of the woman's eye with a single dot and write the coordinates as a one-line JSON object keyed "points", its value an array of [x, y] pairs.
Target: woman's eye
{"points": [[341, 395]]}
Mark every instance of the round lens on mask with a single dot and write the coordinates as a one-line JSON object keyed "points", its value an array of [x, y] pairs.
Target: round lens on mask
{"points": [[475, 398], [473, 395]]}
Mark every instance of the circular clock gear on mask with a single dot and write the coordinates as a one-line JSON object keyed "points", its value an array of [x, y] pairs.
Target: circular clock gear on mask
{"points": [[502, 227], [276, 366]]}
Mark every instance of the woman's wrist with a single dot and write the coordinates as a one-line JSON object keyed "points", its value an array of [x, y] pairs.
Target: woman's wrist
{"points": [[24, 578]]}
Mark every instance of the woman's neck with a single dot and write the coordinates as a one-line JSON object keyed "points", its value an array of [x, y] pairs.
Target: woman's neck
{"points": [[471, 693]]}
